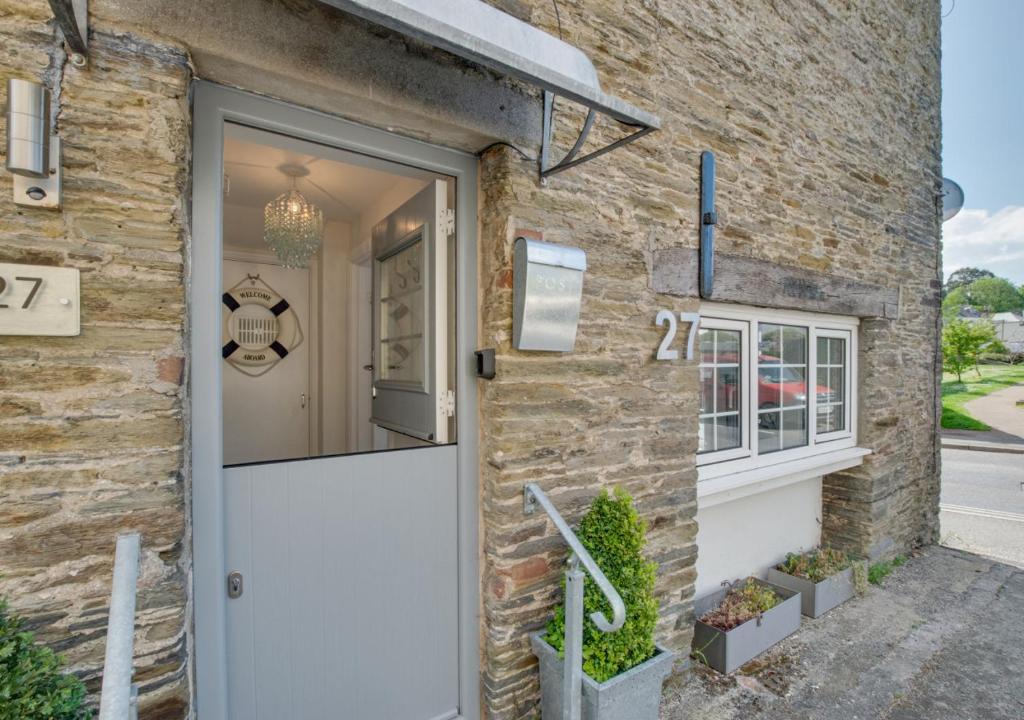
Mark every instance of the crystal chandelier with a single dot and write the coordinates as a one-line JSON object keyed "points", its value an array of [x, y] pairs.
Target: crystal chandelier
{"points": [[292, 226]]}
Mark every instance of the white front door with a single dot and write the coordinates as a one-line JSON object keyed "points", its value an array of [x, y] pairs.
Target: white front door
{"points": [[266, 408], [342, 572]]}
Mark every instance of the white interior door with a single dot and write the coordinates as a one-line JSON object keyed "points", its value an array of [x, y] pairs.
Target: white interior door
{"points": [[410, 317], [266, 400]]}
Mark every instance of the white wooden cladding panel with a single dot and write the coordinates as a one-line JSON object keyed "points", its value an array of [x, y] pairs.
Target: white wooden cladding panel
{"points": [[350, 601]]}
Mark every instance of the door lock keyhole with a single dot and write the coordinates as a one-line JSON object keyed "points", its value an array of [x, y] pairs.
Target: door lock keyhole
{"points": [[235, 585]]}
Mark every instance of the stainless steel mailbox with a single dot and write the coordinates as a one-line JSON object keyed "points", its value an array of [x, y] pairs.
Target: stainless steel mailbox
{"points": [[547, 289]]}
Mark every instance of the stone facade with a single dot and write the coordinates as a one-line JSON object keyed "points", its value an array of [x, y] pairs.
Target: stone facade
{"points": [[824, 116], [92, 427]]}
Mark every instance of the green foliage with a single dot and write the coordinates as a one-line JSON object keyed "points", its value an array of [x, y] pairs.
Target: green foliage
{"points": [[816, 565], [985, 294], [881, 570], [614, 535], [994, 294], [742, 603], [963, 341], [965, 276], [31, 684]]}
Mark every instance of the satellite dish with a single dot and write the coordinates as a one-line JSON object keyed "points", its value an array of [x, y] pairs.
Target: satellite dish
{"points": [[952, 199]]}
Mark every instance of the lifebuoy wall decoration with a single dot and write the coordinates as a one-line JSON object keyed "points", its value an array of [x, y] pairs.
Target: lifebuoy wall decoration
{"points": [[260, 328]]}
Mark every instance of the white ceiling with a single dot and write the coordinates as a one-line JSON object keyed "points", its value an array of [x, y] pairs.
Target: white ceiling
{"points": [[343, 190]]}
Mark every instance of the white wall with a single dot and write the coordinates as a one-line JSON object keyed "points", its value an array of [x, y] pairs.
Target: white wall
{"points": [[748, 535], [334, 338]]}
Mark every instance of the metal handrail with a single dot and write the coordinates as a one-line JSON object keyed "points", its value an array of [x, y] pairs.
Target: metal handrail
{"points": [[118, 697], [533, 496], [572, 675]]}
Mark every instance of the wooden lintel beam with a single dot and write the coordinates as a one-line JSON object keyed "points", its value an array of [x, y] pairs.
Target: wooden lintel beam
{"points": [[750, 281], [72, 18]]}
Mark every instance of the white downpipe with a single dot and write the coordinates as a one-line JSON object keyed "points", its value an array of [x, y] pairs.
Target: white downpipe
{"points": [[118, 700]]}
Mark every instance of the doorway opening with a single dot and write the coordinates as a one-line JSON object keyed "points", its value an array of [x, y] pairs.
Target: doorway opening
{"points": [[352, 350]]}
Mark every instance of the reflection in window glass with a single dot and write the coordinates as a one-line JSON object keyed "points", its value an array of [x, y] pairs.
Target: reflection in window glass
{"points": [[781, 387], [720, 373], [831, 390]]}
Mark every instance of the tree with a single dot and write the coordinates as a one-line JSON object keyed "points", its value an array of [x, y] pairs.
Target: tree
{"points": [[994, 294], [963, 342], [965, 276]]}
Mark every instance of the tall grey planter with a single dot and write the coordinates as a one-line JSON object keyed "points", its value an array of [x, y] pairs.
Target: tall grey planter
{"points": [[633, 695], [726, 650], [817, 598]]}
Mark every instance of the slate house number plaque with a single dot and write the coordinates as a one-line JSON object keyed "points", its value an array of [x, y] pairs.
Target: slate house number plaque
{"points": [[38, 300]]}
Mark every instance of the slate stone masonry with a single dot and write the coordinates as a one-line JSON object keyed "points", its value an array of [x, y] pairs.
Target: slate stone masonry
{"points": [[824, 117]]}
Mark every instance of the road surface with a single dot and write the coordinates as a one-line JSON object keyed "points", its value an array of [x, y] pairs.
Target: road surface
{"points": [[982, 508]]}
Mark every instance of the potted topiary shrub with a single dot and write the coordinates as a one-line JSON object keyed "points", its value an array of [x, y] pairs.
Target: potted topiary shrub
{"points": [[622, 671], [31, 683], [741, 621], [824, 578]]}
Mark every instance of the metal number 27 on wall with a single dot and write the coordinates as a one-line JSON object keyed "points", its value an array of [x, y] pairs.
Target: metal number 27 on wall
{"points": [[667, 317]]}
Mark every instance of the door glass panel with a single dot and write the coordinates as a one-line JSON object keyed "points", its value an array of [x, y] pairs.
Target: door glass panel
{"points": [[402, 314]]}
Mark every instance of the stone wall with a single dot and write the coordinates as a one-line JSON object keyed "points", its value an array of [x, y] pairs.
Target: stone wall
{"points": [[91, 427], [824, 117]]}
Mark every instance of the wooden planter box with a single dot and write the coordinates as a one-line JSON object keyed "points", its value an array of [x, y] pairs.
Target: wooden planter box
{"points": [[817, 598], [725, 651]]}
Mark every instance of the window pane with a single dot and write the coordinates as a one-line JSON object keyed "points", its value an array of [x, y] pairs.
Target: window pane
{"points": [[728, 432], [720, 396], [729, 389], [831, 390], [823, 346], [781, 387], [794, 345], [707, 390]]}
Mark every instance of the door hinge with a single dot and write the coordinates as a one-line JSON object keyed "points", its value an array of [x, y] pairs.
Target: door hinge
{"points": [[448, 222], [448, 403]]}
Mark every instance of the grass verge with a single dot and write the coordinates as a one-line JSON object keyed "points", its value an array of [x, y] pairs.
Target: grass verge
{"points": [[954, 394]]}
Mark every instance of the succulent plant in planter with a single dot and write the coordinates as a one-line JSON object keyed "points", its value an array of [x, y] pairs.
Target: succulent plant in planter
{"points": [[623, 670], [741, 621], [824, 578]]}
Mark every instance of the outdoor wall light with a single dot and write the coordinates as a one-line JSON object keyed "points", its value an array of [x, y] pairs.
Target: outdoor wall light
{"points": [[33, 154]]}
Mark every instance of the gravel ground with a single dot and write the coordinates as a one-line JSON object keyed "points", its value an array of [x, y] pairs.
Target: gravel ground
{"points": [[943, 637]]}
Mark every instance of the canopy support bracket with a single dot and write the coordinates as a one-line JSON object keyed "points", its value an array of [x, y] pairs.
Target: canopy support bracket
{"points": [[570, 159]]}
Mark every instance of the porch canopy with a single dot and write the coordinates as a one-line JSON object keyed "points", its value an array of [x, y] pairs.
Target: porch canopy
{"points": [[487, 36]]}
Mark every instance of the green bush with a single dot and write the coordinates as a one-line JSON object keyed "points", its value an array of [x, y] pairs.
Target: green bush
{"points": [[615, 536], [31, 684]]}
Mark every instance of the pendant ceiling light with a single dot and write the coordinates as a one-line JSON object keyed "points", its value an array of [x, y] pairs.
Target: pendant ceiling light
{"points": [[293, 227]]}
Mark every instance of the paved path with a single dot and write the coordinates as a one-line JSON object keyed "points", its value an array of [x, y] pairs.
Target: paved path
{"points": [[999, 410], [939, 640]]}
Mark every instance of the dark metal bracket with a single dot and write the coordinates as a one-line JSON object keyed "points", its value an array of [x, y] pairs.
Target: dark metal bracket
{"points": [[570, 160], [72, 18], [708, 221]]}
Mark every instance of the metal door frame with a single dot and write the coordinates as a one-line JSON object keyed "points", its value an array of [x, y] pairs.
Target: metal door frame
{"points": [[214, 105]]}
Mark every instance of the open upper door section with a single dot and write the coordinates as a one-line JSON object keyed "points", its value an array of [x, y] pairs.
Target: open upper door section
{"points": [[485, 35]]}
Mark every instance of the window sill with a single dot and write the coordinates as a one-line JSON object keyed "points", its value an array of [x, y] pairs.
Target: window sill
{"points": [[725, 488]]}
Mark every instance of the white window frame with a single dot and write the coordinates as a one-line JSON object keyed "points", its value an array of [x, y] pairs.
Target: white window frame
{"points": [[744, 329], [747, 458]]}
